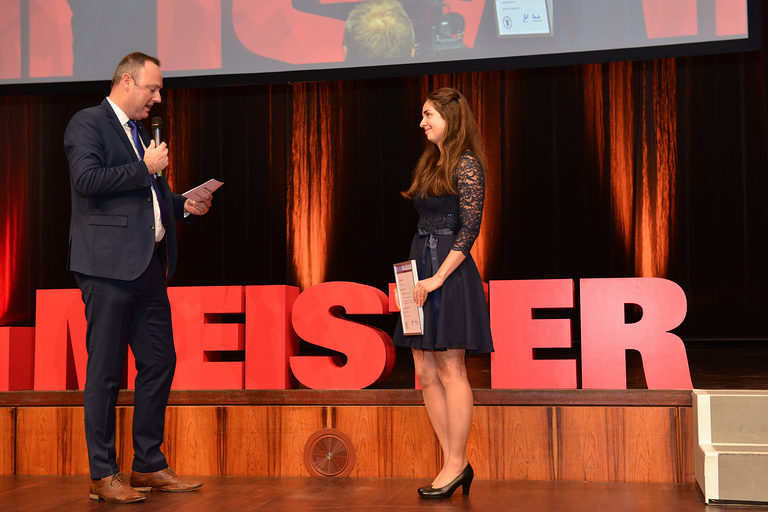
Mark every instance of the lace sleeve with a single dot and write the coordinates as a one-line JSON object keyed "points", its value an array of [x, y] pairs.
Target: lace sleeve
{"points": [[470, 184]]}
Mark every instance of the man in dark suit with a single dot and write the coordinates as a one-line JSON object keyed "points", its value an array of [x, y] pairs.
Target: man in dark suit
{"points": [[122, 248]]}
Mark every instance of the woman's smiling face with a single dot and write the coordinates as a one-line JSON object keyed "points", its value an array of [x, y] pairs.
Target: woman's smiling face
{"points": [[433, 124]]}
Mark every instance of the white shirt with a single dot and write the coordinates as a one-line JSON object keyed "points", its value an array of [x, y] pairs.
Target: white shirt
{"points": [[123, 119]]}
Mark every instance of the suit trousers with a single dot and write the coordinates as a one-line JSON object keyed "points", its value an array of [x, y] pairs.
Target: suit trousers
{"points": [[136, 313]]}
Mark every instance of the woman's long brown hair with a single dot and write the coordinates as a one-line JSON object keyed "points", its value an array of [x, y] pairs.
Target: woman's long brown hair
{"points": [[433, 175]]}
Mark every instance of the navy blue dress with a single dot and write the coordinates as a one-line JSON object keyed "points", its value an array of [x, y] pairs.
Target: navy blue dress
{"points": [[456, 314]]}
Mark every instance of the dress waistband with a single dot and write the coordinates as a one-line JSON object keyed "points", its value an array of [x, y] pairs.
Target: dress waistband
{"points": [[430, 248], [445, 231]]}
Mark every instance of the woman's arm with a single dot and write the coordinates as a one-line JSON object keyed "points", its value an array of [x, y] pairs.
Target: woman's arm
{"points": [[430, 284]]}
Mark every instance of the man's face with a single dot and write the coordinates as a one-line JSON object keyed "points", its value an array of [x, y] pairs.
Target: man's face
{"points": [[144, 91]]}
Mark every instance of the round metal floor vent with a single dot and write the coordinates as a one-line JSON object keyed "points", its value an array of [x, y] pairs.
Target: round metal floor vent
{"points": [[330, 453]]}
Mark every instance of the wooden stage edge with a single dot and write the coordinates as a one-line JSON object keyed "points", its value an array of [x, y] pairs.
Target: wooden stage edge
{"points": [[294, 397], [582, 435]]}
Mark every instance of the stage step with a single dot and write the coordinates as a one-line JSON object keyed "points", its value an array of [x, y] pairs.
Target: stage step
{"points": [[731, 458]]}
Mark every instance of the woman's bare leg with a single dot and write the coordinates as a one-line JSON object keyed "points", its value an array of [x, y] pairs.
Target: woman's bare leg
{"points": [[434, 395], [457, 393]]}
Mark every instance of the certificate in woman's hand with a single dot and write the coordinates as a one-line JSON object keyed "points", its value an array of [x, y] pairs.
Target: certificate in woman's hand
{"points": [[412, 316]]}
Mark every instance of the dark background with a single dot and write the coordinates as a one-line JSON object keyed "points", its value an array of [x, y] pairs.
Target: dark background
{"points": [[635, 168]]}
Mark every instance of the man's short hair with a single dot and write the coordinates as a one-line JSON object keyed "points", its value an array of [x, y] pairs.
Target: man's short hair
{"points": [[131, 64], [378, 29]]}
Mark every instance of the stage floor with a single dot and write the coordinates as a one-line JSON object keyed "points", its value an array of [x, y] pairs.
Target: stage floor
{"points": [[38, 494]]}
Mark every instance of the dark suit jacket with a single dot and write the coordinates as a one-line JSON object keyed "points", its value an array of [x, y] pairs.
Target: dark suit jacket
{"points": [[111, 233]]}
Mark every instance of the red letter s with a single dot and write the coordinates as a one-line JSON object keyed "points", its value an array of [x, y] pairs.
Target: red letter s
{"points": [[369, 351]]}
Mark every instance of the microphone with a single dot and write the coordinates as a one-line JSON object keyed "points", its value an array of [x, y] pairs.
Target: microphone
{"points": [[157, 128]]}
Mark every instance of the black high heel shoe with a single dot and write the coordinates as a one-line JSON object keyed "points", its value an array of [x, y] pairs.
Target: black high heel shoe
{"points": [[464, 480]]}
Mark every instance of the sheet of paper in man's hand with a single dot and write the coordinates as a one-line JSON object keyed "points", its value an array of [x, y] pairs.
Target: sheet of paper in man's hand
{"points": [[200, 192]]}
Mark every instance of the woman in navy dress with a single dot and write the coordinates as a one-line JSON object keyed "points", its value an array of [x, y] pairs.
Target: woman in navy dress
{"points": [[448, 190]]}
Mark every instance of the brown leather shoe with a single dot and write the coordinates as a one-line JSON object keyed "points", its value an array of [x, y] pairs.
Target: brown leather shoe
{"points": [[114, 490], [163, 480]]}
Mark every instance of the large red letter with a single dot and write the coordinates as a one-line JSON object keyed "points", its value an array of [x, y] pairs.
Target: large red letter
{"points": [[605, 336], [369, 351], [278, 31], [189, 34], [670, 19], [269, 337], [516, 334], [199, 340], [731, 16], [50, 38], [10, 39], [17, 357], [60, 353]]}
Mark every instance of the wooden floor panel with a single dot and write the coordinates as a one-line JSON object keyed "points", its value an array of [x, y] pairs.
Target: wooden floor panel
{"points": [[7, 440], [589, 443], [617, 444], [50, 441], [512, 443], [39, 494]]}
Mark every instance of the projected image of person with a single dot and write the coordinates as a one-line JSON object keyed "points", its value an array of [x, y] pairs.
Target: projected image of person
{"points": [[448, 191], [439, 30], [378, 30], [122, 250]]}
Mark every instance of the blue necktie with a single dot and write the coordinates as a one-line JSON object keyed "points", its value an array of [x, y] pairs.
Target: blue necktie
{"points": [[153, 179], [136, 138]]}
